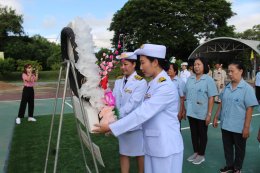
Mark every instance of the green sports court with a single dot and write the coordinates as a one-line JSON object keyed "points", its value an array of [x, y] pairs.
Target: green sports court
{"points": [[214, 153]]}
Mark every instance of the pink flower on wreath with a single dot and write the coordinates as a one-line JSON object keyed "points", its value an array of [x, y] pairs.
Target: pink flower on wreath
{"points": [[102, 66], [110, 64], [104, 54], [104, 73], [111, 57], [119, 46], [116, 52], [109, 98]]}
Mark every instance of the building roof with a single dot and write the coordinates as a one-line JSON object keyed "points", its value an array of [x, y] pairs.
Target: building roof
{"points": [[225, 47]]}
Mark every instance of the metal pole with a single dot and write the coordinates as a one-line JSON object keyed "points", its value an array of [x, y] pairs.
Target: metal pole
{"points": [[84, 118], [61, 117], [79, 133], [52, 121]]}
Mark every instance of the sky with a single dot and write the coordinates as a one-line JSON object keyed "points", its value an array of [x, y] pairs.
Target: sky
{"points": [[48, 17]]}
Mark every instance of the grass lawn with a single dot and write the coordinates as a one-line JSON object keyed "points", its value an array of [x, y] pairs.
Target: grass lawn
{"points": [[29, 146]]}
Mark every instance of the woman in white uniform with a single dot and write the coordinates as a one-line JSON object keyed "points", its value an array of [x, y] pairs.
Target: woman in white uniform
{"points": [[129, 92], [158, 115]]}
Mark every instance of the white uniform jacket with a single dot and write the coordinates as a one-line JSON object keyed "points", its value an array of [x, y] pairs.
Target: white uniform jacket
{"points": [[158, 115], [185, 74], [130, 95]]}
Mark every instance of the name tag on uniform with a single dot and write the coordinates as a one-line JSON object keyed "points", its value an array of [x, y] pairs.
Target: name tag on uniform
{"points": [[128, 91]]}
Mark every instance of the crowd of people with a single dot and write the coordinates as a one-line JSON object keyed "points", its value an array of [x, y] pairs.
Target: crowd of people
{"points": [[150, 113], [150, 116]]}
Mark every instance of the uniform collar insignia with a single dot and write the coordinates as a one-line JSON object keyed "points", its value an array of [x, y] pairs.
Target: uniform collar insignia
{"points": [[137, 77], [161, 79], [119, 77]]}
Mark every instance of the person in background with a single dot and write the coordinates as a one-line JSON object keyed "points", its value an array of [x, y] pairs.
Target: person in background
{"points": [[129, 92], [200, 90], [210, 71], [158, 115], [173, 73], [190, 69], [235, 113], [219, 76], [185, 74], [257, 85], [29, 78]]}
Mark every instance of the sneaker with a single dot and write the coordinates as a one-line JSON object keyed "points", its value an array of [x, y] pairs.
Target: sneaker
{"points": [[18, 120], [198, 160], [237, 171], [192, 157], [31, 119], [226, 169]]}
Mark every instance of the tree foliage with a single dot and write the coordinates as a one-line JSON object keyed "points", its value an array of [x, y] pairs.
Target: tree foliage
{"points": [[34, 48], [7, 65], [10, 24], [250, 34], [22, 63], [178, 24], [22, 47]]}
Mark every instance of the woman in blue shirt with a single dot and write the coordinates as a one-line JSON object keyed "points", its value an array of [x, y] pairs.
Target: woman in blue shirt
{"points": [[235, 113], [200, 90]]}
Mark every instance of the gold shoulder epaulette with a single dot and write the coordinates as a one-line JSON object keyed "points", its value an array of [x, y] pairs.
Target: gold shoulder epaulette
{"points": [[119, 77], [137, 77], [161, 79]]}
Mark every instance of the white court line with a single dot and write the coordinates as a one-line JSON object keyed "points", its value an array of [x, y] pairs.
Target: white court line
{"points": [[68, 104]]}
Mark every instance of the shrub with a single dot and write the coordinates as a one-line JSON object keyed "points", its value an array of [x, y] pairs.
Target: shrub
{"points": [[7, 65], [21, 63]]}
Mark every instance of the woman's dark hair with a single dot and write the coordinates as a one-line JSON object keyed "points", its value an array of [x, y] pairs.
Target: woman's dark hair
{"points": [[163, 63], [175, 68], [25, 67], [134, 61], [205, 64], [239, 65]]}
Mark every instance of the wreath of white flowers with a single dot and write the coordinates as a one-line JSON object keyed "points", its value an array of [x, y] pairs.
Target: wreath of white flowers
{"points": [[86, 63]]}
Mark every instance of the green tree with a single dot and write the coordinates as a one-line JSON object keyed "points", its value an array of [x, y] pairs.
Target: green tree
{"points": [[7, 65], [10, 24], [250, 34], [178, 24], [36, 48], [100, 54], [35, 64]]}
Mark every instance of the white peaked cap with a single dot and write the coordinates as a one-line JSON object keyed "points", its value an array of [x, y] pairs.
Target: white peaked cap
{"points": [[184, 63], [153, 50], [172, 60], [127, 55]]}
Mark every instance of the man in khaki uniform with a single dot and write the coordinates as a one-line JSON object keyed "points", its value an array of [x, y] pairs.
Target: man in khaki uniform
{"points": [[219, 76]]}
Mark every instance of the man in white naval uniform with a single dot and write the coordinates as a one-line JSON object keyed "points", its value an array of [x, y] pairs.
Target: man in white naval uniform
{"points": [[163, 144], [185, 74], [219, 76], [129, 91]]}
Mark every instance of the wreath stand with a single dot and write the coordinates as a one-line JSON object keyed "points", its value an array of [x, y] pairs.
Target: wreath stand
{"points": [[70, 68]]}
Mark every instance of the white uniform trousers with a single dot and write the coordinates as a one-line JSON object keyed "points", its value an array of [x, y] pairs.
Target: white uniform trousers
{"points": [[170, 164]]}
